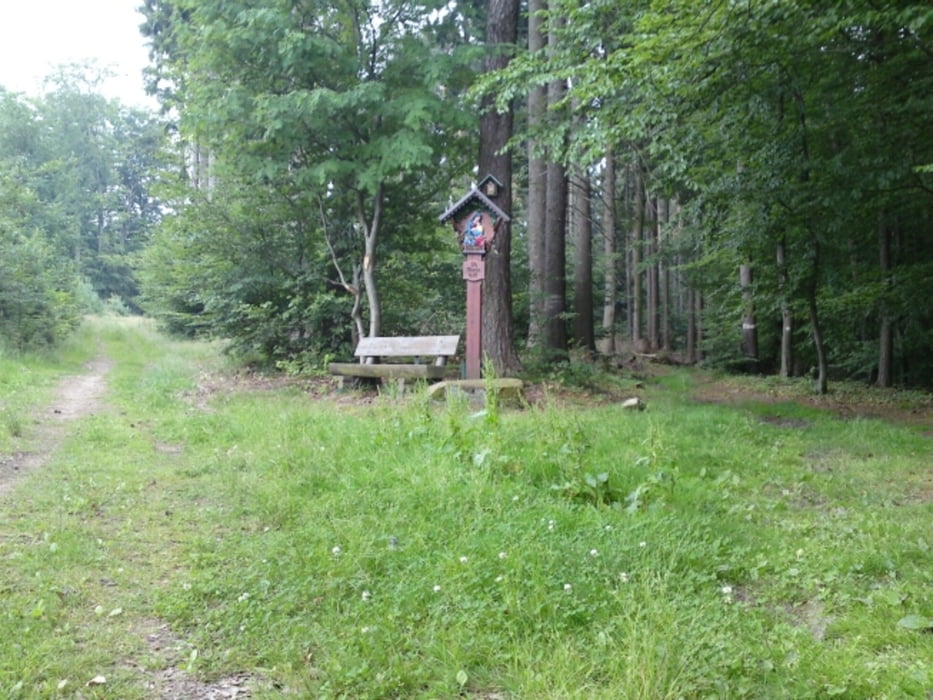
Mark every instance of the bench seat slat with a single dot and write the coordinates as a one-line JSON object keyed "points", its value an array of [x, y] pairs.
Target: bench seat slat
{"points": [[433, 345]]}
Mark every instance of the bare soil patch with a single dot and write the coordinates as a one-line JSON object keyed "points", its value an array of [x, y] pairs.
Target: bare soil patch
{"points": [[172, 682], [75, 397], [846, 402]]}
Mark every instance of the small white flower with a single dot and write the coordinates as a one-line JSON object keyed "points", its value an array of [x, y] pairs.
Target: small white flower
{"points": [[551, 524], [726, 590], [366, 595], [502, 555], [500, 579], [642, 544], [799, 553], [514, 499], [607, 528], [623, 577], [567, 588], [463, 560], [336, 551], [366, 630], [436, 589], [594, 552], [243, 597]]}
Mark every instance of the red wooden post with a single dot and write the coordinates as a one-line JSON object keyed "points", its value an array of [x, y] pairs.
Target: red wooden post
{"points": [[475, 219], [474, 270]]}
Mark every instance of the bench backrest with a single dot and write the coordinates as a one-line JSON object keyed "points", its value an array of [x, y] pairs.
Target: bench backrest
{"points": [[433, 345]]}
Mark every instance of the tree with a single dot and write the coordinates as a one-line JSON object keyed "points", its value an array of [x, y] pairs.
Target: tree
{"points": [[582, 227], [495, 159], [76, 204], [338, 118], [610, 259], [101, 159], [38, 306], [537, 178]]}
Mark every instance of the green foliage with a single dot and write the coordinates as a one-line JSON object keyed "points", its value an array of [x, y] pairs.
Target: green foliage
{"points": [[75, 171], [780, 123], [37, 300], [333, 132]]}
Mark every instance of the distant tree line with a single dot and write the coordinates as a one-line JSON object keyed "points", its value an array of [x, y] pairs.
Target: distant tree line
{"points": [[76, 205]]}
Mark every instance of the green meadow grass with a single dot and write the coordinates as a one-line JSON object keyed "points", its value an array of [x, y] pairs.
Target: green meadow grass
{"points": [[407, 549]]}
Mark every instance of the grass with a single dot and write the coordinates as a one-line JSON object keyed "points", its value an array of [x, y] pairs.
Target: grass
{"points": [[26, 381], [402, 549]]}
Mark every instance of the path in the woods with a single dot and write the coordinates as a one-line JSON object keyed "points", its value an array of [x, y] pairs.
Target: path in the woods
{"points": [[75, 397]]}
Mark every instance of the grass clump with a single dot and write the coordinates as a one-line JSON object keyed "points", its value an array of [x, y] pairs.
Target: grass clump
{"points": [[405, 549]]}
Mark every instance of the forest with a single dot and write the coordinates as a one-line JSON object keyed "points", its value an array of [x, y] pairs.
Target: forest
{"points": [[742, 184]]}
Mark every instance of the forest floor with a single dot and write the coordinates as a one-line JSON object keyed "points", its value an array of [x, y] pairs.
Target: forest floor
{"points": [[82, 395], [848, 401]]}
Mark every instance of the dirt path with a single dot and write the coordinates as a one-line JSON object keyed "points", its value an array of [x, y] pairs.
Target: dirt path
{"points": [[79, 396], [75, 397]]}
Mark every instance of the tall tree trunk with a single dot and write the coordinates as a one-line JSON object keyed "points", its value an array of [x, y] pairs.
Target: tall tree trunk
{"points": [[581, 217], [537, 183], [694, 323], [886, 332], [610, 263], [651, 272], [370, 229], [555, 282], [496, 160], [356, 313], [691, 339], [664, 275], [698, 321], [749, 324], [638, 230], [679, 294], [815, 329], [555, 302], [787, 315]]}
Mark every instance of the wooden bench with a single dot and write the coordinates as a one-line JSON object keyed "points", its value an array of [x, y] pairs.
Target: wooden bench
{"points": [[371, 350]]}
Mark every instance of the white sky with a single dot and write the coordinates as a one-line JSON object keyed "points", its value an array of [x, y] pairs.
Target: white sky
{"points": [[38, 35]]}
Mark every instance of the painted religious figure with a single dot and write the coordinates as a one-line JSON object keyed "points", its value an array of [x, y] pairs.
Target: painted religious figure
{"points": [[473, 234], [476, 232]]}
